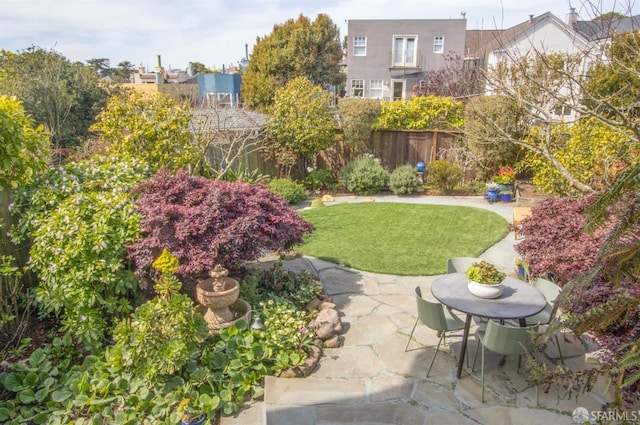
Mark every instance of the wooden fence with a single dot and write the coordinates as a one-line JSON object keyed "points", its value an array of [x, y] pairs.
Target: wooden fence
{"points": [[393, 147], [402, 147]]}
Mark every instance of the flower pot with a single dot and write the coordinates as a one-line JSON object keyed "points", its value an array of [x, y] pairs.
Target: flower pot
{"points": [[198, 421], [492, 195], [485, 291], [505, 197]]}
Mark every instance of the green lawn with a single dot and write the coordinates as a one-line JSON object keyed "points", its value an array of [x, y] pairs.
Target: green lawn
{"points": [[400, 239]]}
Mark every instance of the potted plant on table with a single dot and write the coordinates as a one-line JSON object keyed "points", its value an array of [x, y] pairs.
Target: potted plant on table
{"points": [[485, 280]]}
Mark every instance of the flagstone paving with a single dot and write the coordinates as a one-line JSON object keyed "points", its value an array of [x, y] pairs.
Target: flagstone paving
{"points": [[371, 380]]}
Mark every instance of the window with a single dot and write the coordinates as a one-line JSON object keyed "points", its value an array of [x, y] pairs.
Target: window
{"points": [[357, 88], [562, 110], [438, 44], [398, 89], [359, 46], [404, 50], [375, 89]]}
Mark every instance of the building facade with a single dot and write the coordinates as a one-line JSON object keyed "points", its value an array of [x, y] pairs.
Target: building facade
{"points": [[387, 59]]}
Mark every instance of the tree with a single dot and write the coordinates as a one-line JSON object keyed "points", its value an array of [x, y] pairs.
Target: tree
{"points": [[102, 66], [458, 79], [65, 97], [205, 222], [24, 149], [357, 118], [122, 74], [491, 148], [613, 87], [199, 68], [154, 128], [293, 49], [302, 123]]}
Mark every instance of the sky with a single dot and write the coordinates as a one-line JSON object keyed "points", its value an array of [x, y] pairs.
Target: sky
{"points": [[215, 32]]}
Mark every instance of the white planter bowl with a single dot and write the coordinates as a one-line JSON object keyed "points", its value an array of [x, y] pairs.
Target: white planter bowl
{"points": [[485, 291]]}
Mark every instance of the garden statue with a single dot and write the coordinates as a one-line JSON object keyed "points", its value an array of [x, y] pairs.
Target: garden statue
{"points": [[221, 306]]}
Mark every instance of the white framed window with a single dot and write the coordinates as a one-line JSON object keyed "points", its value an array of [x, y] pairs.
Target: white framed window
{"points": [[404, 50], [438, 44], [357, 88], [563, 110], [359, 46], [375, 89]]}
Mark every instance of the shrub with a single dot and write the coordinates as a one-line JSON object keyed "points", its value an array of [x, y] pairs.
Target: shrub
{"points": [[276, 282], [364, 176], [319, 180], [79, 219], [24, 149], [291, 191], [444, 175], [404, 180], [556, 243], [204, 223], [286, 326]]}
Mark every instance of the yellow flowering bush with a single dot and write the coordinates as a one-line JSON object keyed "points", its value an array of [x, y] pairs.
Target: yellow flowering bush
{"points": [[591, 152]]}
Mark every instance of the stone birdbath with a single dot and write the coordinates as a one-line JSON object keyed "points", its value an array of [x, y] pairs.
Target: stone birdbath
{"points": [[221, 306]]}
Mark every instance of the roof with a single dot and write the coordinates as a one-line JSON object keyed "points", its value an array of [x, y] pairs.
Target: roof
{"points": [[231, 118], [477, 40], [600, 29], [505, 37]]}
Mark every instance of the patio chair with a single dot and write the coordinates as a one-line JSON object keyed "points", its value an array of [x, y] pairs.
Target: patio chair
{"points": [[550, 291], [434, 316], [506, 340], [460, 264]]}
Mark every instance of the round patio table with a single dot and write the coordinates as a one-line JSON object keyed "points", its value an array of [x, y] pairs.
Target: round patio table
{"points": [[518, 301]]}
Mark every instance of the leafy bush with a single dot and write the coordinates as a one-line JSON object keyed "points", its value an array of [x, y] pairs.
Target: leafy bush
{"points": [[404, 180], [286, 329], [24, 149], [319, 180], [262, 285], [556, 243], [357, 118], [164, 333], [204, 223], [422, 113], [291, 191], [444, 175], [364, 176], [79, 219]]}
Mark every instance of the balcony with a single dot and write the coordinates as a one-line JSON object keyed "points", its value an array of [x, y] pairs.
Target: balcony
{"points": [[405, 60]]}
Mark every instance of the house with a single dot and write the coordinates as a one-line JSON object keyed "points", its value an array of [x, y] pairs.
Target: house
{"points": [[387, 59], [219, 89], [546, 34], [178, 84]]}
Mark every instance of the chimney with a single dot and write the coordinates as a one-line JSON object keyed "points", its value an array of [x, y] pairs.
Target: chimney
{"points": [[530, 18], [572, 17]]}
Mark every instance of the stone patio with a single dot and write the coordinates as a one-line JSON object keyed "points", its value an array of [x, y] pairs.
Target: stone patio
{"points": [[371, 380]]}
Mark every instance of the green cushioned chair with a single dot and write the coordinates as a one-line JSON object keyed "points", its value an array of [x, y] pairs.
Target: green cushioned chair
{"points": [[506, 340], [434, 316]]}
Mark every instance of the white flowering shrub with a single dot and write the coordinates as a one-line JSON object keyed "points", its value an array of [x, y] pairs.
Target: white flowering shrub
{"points": [[79, 219]]}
